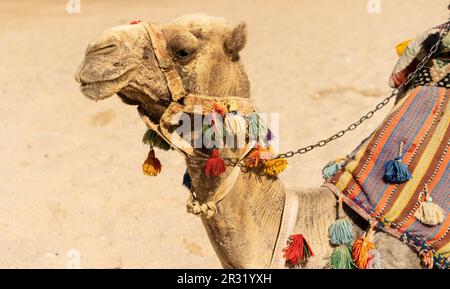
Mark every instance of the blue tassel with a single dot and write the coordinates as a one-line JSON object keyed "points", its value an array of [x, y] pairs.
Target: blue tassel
{"points": [[187, 181], [341, 232], [331, 168], [396, 172]]}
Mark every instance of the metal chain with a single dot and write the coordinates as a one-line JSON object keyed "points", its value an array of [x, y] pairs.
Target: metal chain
{"points": [[241, 162]]}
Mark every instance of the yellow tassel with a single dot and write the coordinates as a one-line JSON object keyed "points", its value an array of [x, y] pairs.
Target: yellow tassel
{"points": [[274, 167], [151, 166], [400, 48], [429, 213], [232, 106]]}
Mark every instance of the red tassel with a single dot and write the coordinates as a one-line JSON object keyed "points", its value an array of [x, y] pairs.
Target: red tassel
{"points": [[298, 250], [215, 165], [219, 109], [135, 22]]}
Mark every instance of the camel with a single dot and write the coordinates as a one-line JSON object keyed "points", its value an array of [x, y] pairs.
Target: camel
{"points": [[205, 51]]}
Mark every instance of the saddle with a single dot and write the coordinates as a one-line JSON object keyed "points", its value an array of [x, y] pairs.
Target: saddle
{"points": [[413, 144]]}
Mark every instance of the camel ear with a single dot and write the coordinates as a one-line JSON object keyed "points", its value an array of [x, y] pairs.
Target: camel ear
{"points": [[236, 41]]}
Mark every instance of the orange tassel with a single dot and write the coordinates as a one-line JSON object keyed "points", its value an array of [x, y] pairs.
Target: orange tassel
{"points": [[298, 250], [151, 166], [219, 109], [215, 165], [258, 154], [427, 258], [361, 248]]}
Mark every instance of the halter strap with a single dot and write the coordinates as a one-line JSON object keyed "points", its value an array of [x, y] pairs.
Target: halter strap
{"points": [[173, 79], [287, 226]]}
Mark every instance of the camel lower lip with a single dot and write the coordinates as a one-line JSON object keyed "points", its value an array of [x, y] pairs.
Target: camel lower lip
{"points": [[105, 88]]}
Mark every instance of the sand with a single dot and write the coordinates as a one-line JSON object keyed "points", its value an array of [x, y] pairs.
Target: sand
{"points": [[72, 193]]}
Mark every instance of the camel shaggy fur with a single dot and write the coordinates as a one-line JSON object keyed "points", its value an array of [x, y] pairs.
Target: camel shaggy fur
{"points": [[206, 54]]}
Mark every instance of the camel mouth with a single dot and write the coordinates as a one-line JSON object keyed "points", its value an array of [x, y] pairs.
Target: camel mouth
{"points": [[98, 90]]}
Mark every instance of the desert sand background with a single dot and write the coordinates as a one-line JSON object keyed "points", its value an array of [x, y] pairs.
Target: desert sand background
{"points": [[70, 176]]}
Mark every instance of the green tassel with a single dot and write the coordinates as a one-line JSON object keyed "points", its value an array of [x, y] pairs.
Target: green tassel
{"points": [[341, 232], [341, 258], [152, 139], [256, 126]]}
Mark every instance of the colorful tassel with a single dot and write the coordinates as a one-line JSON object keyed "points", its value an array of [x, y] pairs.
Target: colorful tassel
{"points": [[297, 250], [153, 139], [214, 128], [187, 181], [257, 155], [341, 258], [341, 232], [374, 259], [401, 48], [219, 109], [269, 135], [215, 165], [331, 168], [427, 258], [235, 124], [232, 106], [361, 248], [428, 212], [256, 126], [274, 167], [396, 172], [151, 166]]}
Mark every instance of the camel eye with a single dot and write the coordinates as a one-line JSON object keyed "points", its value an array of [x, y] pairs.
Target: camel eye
{"points": [[182, 54]]}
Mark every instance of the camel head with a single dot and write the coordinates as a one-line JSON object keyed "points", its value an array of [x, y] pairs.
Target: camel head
{"points": [[204, 49]]}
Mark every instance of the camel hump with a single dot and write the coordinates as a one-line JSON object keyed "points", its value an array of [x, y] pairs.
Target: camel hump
{"points": [[414, 51]]}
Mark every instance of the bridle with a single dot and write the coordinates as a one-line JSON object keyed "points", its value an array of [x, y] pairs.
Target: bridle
{"points": [[183, 102]]}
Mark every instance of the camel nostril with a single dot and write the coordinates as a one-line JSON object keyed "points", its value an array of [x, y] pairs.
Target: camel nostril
{"points": [[100, 49]]}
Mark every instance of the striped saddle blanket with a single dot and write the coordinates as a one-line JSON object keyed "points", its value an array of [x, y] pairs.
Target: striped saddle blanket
{"points": [[419, 123]]}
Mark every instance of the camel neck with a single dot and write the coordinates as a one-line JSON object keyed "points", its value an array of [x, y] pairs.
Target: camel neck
{"points": [[245, 228]]}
